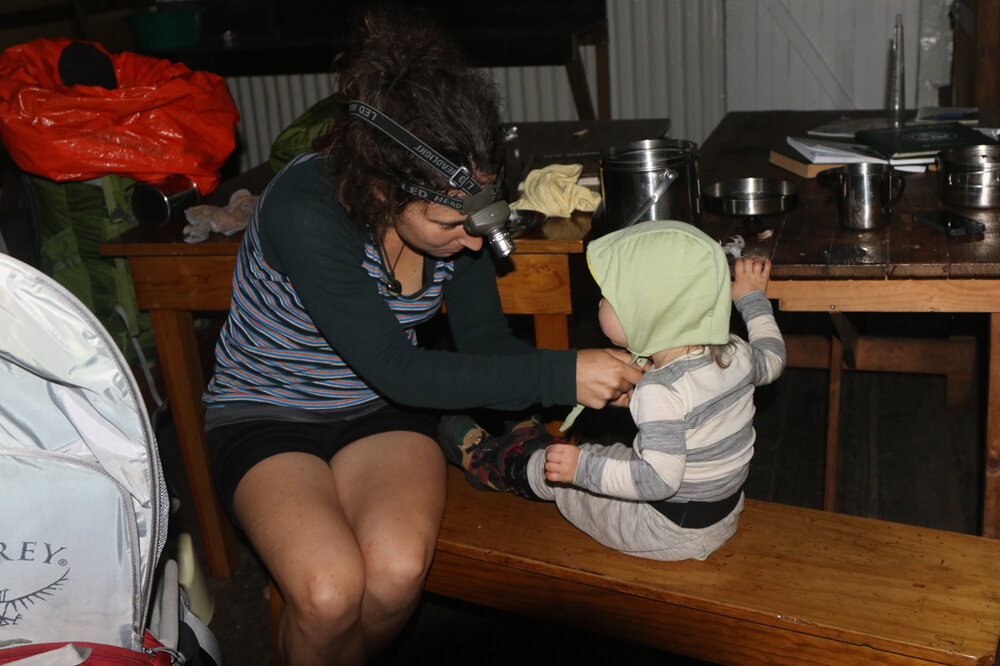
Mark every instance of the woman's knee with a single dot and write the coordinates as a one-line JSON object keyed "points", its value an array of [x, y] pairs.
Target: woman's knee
{"points": [[395, 572], [326, 600]]}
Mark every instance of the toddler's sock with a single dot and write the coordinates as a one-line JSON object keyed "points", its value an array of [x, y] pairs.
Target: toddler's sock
{"points": [[494, 463]]}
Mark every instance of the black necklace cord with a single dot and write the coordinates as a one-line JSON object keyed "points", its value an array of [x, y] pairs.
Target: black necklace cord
{"points": [[392, 284]]}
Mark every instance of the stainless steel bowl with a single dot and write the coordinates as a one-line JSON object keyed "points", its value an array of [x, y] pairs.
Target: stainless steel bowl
{"points": [[745, 197]]}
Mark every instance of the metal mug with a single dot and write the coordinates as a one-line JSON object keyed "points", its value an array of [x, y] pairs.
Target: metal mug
{"points": [[155, 203], [866, 193]]}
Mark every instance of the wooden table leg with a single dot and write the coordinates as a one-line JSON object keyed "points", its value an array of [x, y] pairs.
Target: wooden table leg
{"points": [[178, 351], [991, 487], [833, 425], [551, 331]]}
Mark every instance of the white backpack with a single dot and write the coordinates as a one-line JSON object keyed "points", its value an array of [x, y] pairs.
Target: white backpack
{"points": [[83, 504]]}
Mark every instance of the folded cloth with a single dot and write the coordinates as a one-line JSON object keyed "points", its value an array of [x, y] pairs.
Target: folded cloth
{"points": [[206, 219], [554, 191]]}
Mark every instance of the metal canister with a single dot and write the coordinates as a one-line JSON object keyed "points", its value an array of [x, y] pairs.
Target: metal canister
{"points": [[970, 177], [652, 179]]}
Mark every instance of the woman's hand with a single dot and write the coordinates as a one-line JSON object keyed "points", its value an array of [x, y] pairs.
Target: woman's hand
{"points": [[560, 463], [604, 376]]}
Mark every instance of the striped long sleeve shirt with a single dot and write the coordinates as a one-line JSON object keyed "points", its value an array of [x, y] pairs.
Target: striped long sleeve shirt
{"points": [[695, 420], [313, 327]]}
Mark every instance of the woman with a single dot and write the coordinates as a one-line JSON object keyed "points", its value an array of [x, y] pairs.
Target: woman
{"points": [[319, 411]]}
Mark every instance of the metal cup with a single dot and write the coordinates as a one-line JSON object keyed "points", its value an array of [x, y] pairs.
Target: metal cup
{"points": [[866, 193], [156, 202]]}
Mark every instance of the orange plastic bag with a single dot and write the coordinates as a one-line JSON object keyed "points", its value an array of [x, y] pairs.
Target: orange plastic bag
{"points": [[162, 119]]}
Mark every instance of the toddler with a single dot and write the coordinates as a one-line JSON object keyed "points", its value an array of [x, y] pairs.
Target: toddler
{"points": [[676, 492]]}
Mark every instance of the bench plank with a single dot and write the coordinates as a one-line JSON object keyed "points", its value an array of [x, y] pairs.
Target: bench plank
{"points": [[795, 586]]}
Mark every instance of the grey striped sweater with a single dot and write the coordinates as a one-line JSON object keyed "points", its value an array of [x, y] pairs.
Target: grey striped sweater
{"points": [[695, 420]]}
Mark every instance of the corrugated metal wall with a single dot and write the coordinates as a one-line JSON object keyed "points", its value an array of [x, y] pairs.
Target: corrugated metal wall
{"points": [[832, 54], [690, 61], [666, 61], [268, 104]]}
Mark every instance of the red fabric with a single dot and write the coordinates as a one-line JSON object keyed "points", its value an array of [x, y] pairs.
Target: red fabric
{"points": [[162, 119], [102, 655]]}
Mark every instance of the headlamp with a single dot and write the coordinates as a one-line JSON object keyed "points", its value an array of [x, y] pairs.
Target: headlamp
{"points": [[491, 223], [487, 216]]}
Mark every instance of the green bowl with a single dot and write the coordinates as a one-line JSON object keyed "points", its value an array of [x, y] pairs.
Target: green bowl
{"points": [[166, 30]]}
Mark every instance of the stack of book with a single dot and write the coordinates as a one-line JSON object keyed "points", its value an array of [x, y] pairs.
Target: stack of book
{"points": [[806, 157], [907, 148]]}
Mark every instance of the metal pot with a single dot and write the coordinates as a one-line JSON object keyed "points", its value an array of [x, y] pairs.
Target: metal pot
{"points": [[970, 177], [652, 179]]}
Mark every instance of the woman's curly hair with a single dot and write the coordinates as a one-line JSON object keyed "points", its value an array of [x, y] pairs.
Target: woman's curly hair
{"points": [[399, 62]]}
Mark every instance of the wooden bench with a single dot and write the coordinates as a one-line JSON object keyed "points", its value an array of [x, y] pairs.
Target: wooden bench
{"points": [[794, 586]]}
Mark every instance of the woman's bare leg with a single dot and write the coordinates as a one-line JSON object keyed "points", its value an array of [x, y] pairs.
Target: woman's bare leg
{"points": [[395, 520], [349, 545], [288, 506]]}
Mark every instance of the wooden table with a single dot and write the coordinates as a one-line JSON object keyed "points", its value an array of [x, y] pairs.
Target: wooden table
{"points": [[175, 280], [820, 266]]}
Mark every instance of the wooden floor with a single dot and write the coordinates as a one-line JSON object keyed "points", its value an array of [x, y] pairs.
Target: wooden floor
{"points": [[904, 457]]}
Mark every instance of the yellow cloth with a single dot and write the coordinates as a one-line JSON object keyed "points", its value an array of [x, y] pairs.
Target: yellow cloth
{"points": [[553, 190]]}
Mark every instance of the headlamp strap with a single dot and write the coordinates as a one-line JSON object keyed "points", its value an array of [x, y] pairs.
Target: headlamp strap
{"points": [[431, 195], [458, 176]]}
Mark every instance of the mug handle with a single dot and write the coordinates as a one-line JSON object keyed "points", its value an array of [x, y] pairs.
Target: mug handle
{"points": [[896, 178]]}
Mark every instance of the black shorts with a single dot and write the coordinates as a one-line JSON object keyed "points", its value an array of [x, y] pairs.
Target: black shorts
{"points": [[235, 448]]}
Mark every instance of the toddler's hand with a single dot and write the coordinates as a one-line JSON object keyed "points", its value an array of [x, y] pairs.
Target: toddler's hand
{"points": [[750, 274], [560, 463]]}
